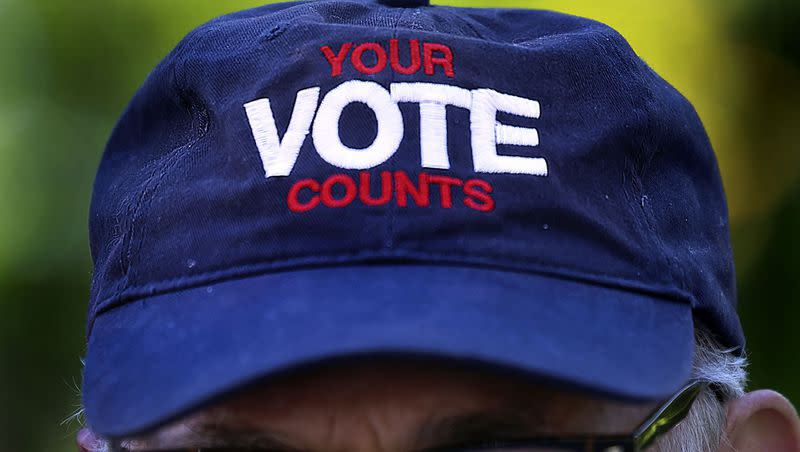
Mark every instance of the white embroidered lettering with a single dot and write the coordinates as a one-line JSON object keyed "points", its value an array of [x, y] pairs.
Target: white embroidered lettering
{"points": [[433, 99], [326, 136], [278, 156], [487, 133]]}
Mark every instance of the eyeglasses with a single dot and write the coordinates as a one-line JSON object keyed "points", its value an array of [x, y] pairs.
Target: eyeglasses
{"points": [[657, 424], [661, 421]]}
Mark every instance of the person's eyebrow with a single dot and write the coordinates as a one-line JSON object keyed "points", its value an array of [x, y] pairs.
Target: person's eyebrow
{"points": [[472, 429], [214, 435]]}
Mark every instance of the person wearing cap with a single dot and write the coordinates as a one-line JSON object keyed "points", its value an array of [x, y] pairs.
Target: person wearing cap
{"points": [[390, 226]]}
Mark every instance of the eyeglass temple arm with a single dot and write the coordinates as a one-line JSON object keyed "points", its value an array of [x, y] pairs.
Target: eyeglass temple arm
{"points": [[669, 415]]}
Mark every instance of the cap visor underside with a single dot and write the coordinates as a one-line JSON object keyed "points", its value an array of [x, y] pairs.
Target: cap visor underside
{"points": [[155, 359]]}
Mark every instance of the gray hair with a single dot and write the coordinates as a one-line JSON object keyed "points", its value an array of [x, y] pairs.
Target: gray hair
{"points": [[703, 430]]}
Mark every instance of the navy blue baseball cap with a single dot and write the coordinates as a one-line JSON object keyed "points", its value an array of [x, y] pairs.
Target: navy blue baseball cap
{"points": [[308, 182]]}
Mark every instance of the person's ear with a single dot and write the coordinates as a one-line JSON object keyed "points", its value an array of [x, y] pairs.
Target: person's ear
{"points": [[762, 421]]}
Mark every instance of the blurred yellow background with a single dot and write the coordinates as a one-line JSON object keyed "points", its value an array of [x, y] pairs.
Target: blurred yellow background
{"points": [[69, 68]]}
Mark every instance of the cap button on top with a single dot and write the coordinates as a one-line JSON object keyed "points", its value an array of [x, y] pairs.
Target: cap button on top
{"points": [[405, 3]]}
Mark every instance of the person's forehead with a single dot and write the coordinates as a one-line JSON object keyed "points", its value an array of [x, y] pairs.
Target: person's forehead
{"points": [[407, 401]]}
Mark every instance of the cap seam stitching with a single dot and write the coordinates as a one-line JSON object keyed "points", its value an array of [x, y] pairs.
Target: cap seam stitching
{"points": [[391, 213], [200, 119], [644, 204], [288, 264]]}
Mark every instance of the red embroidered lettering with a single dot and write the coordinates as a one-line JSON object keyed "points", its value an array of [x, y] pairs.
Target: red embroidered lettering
{"points": [[359, 52], [397, 186], [394, 57], [364, 189], [433, 54], [478, 196], [404, 187], [294, 203], [446, 188], [350, 191], [337, 59], [446, 60]]}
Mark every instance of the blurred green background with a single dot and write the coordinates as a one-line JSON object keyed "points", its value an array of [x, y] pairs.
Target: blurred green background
{"points": [[68, 69]]}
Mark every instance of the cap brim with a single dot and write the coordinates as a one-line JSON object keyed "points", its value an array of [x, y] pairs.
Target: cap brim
{"points": [[155, 359]]}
